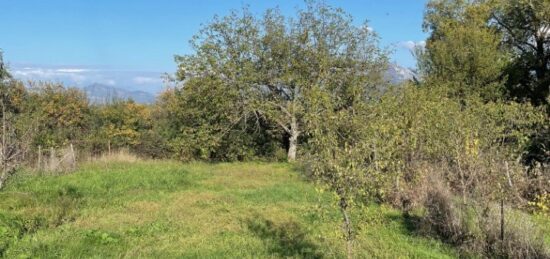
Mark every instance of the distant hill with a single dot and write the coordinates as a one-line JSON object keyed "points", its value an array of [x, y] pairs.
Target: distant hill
{"points": [[101, 94]]}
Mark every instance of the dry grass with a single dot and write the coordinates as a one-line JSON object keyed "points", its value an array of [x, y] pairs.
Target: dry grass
{"points": [[476, 228], [121, 155]]}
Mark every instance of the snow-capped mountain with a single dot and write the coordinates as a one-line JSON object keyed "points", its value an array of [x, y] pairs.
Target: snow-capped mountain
{"points": [[397, 74]]}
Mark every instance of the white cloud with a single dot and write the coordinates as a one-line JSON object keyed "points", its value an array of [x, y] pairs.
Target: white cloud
{"points": [[82, 76], [146, 80], [412, 45], [49, 74], [72, 70], [28, 72]]}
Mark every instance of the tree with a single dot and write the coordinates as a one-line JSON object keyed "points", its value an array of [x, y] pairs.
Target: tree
{"points": [[495, 49], [353, 147], [266, 68], [122, 123], [463, 53], [4, 74], [525, 26], [340, 161], [10, 148], [62, 114], [13, 139]]}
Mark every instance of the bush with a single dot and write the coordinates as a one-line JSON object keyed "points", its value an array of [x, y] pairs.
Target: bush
{"points": [[541, 204], [522, 236], [476, 229], [443, 218]]}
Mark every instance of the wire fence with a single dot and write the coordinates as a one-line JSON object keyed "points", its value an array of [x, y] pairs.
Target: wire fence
{"points": [[53, 160]]}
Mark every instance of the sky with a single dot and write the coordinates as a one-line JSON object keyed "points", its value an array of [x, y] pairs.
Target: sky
{"points": [[130, 44]]}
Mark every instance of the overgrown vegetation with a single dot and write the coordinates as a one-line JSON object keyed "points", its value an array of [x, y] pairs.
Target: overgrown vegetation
{"points": [[462, 151]]}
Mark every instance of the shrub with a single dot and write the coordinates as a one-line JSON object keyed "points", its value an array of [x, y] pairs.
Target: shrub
{"points": [[476, 229], [443, 218], [522, 236], [541, 204]]}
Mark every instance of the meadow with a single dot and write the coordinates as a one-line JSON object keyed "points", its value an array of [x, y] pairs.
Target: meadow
{"points": [[168, 209], [367, 158]]}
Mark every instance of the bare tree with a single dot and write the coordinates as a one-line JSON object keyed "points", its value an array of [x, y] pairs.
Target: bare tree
{"points": [[13, 140], [10, 148]]}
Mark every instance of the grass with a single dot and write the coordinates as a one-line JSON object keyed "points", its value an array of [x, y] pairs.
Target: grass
{"points": [[544, 222], [166, 209]]}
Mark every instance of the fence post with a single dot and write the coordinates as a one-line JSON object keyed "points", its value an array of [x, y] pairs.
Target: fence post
{"points": [[73, 157], [39, 158], [52, 166], [502, 225]]}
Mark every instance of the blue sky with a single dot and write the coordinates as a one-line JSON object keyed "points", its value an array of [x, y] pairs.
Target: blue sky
{"points": [[129, 44]]}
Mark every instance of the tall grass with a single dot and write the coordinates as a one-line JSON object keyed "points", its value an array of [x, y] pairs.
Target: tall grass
{"points": [[120, 155]]}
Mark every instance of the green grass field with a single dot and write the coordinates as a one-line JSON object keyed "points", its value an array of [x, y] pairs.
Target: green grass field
{"points": [[166, 209]]}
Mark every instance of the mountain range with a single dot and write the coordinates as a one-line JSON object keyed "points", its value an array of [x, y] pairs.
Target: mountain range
{"points": [[102, 94], [397, 74]]}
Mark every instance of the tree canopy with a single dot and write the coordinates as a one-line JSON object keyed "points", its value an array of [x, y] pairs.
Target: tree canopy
{"points": [[266, 68]]}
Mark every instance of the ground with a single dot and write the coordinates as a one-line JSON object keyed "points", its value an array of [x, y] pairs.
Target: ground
{"points": [[166, 209]]}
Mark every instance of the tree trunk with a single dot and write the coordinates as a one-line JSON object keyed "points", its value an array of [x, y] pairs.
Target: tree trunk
{"points": [[293, 141], [39, 167], [3, 149], [347, 228], [73, 157], [541, 69]]}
